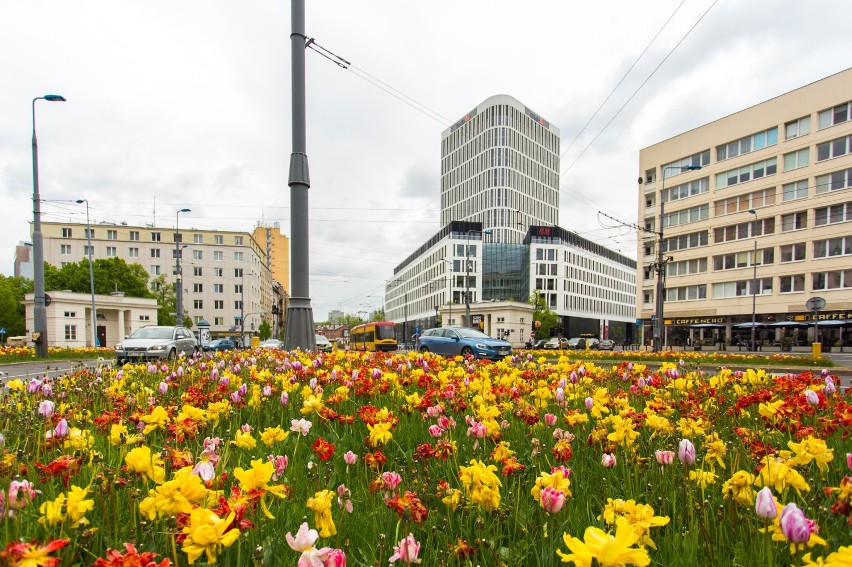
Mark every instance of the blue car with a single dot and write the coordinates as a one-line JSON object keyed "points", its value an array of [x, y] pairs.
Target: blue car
{"points": [[455, 341], [221, 344]]}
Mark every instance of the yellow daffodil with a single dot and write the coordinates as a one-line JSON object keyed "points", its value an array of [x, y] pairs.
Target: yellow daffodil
{"points": [[739, 488], [273, 435], [812, 449], [703, 478], [380, 433], [142, 461], [157, 419], [640, 516], [244, 440], [176, 496], [604, 550], [481, 484], [320, 503], [206, 533], [716, 450]]}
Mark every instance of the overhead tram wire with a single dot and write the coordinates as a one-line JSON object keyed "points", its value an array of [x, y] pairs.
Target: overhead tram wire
{"points": [[639, 88], [621, 80]]}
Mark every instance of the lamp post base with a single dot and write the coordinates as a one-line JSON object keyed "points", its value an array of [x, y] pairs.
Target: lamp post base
{"points": [[300, 331]]}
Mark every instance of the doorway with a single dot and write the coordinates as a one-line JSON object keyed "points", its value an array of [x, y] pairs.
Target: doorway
{"points": [[102, 336]]}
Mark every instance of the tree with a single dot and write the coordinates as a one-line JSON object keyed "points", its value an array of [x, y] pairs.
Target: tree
{"points": [[12, 316], [110, 274], [264, 331], [544, 315]]}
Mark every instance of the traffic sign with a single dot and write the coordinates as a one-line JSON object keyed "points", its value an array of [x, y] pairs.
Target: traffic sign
{"points": [[2, 331], [815, 303]]}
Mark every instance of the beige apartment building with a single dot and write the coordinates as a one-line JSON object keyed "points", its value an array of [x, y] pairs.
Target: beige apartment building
{"points": [[776, 177], [224, 274], [276, 247]]}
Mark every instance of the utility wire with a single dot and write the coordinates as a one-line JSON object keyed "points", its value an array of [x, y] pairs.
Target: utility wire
{"points": [[623, 106]]}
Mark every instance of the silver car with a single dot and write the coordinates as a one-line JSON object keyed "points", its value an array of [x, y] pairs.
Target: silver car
{"points": [[156, 343]]}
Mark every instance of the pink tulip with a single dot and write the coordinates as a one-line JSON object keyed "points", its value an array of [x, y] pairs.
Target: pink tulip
{"points": [[350, 458], [446, 422], [435, 431], [849, 460], [284, 399], [811, 397], [335, 558], [434, 411], [21, 493], [407, 551], [559, 394], [764, 504], [33, 386], [794, 524], [391, 479], [477, 430], [590, 402], [46, 408], [686, 452], [664, 457], [267, 390], [46, 390], [830, 388], [552, 500], [304, 542], [566, 472], [163, 388], [61, 429], [549, 419], [608, 460]]}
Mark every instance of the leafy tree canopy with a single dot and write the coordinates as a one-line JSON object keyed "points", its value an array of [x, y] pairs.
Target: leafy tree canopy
{"points": [[110, 274], [12, 317], [543, 314], [264, 331]]}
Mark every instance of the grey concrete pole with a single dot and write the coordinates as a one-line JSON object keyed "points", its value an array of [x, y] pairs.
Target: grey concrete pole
{"points": [[300, 316], [753, 278], [39, 307], [178, 272]]}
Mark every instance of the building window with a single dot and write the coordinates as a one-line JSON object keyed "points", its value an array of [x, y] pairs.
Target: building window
{"points": [[197, 238], [238, 241], [177, 237], [198, 319], [797, 159], [834, 181], [834, 148], [198, 304], [66, 233], [830, 247], [238, 256], [71, 314], [133, 252], [796, 190], [675, 167], [218, 272], [647, 297], [797, 128], [744, 230], [748, 144], [155, 270], [686, 293], [65, 249], [89, 232], [134, 235], [832, 280], [841, 212], [155, 252], [144, 317], [793, 252], [111, 251], [87, 250], [218, 304], [743, 287], [685, 241], [197, 287], [686, 267], [155, 237], [218, 320], [736, 260], [218, 288], [112, 235], [687, 216], [238, 272], [238, 305], [70, 332], [238, 288], [197, 271], [791, 284], [218, 239], [197, 255], [742, 203], [747, 173], [794, 221], [832, 116], [218, 255], [685, 190]]}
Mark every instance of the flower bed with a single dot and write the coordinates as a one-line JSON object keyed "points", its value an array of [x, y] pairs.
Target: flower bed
{"points": [[707, 357], [371, 458], [10, 354]]}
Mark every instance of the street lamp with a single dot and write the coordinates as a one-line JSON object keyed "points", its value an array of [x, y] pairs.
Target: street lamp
{"points": [[178, 282], [661, 264], [39, 307], [753, 276], [95, 341]]}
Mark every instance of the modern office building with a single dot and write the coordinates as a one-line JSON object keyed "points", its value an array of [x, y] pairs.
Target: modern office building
{"points": [[501, 242], [24, 260], [276, 248], [225, 276], [761, 228]]}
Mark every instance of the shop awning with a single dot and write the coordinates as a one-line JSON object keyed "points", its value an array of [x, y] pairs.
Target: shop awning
{"points": [[706, 326], [789, 324], [747, 325], [834, 323]]}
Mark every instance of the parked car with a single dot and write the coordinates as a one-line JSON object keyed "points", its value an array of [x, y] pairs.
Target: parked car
{"points": [[536, 345], [221, 344], [607, 344], [272, 344], [556, 343], [156, 343], [455, 341], [323, 344]]}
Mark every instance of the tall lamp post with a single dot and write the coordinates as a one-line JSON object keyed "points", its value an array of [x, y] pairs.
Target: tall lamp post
{"points": [[661, 264], [178, 274], [39, 307], [95, 341], [753, 277]]}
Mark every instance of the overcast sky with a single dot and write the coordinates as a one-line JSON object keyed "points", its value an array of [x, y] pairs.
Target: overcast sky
{"points": [[175, 104]]}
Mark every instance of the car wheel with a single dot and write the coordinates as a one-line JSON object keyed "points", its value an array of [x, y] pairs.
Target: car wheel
{"points": [[467, 351], [424, 349], [172, 355]]}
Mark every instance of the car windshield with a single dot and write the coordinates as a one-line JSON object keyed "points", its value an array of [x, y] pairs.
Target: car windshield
{"points": [[321, 339], [153, 333], [471, 334], [384, 332]]}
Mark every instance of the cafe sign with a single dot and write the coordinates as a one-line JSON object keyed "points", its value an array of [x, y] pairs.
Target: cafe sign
{"points": [[695, 321]]}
